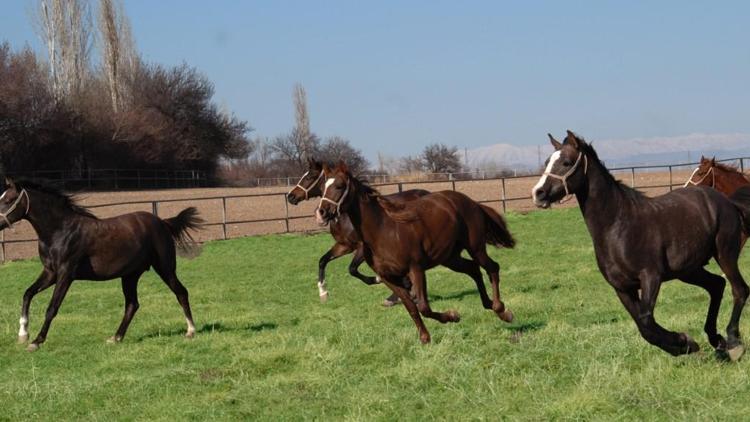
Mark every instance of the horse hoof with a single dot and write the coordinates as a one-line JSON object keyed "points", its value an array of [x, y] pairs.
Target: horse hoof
{"points": [[23, 339], [736, 352], [453, 316], [33, 347], [113, 340], [424, 338], [324, 297], [190, 334], [506, 315]]}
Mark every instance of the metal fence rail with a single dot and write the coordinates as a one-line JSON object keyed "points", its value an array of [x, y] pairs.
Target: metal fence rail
{"points": [[504, 199]]}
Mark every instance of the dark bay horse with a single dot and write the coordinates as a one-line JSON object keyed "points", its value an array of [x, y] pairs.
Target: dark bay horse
{"points": [[407, 238], [310, 185], [76, 245], [641, 242], [726, 179]]}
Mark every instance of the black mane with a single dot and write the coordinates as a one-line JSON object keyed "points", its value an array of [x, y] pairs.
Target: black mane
{"points": [[68, 200], [589, 151]]}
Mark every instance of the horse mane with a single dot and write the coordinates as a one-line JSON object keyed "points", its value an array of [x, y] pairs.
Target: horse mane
{"points": [[68, 200], [398, 211], [730, 169], [589, 151]]}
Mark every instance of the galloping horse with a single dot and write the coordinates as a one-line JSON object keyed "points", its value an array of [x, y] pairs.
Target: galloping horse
{"points": [[310, 185], [726, 179], [641, 242], [76, 245], [408, 238]]}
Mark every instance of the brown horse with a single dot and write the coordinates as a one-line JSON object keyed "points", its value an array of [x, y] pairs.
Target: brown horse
{"points": [[310, 185], [75, 245], [406, 239], [724, 178]]}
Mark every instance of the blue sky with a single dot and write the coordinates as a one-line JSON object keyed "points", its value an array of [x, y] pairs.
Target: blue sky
{"points": [[393, 76]]}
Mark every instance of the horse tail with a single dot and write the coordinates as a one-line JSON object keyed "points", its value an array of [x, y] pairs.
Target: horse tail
{"points": [[497, 231], [741, 199], [179, 225]]}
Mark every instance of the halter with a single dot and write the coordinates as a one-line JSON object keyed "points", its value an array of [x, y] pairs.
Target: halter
{"points": [[710, 171], [336, 203], [564, 177], [304, 189], [12, 208]]}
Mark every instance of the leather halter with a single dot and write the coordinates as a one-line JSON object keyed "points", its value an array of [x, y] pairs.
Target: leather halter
{"points": [[336, 203], [9, 211], [710, 171], [564, 177], [308, 189]]}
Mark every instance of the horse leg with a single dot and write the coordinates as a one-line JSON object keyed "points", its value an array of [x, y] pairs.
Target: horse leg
{"points": [[740, 292], [493, 270], [337, 250], [357, 260], [419, 284], [45, 280], [130, 291], [61, 288], [714, 285], [181, 293], [470, 268], [411, 307], [643, 313]]}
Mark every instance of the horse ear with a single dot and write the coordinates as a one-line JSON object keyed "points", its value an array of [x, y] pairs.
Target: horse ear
{"points": [[713, 161], [9, 183], [343, 167], [572, 139], [326, 169], [553, 141]]}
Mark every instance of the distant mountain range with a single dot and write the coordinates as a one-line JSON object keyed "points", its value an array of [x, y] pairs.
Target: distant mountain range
{"points": [[619, 153]]}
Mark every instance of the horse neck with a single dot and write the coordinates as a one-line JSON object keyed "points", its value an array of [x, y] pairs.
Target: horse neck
{"points": [[601, 199], [367, 217], [727, 182], [47, 215]]}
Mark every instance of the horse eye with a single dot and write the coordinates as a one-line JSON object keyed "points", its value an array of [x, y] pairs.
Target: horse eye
{"points": [[567, 163]]}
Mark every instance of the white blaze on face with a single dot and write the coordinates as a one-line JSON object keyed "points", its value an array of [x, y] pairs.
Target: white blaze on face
{"points": [[552, 159], [329, 182], [3, 195]]}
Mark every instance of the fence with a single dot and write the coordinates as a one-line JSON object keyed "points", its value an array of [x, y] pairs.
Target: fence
{"points": [[116, 179], [513, 189]]}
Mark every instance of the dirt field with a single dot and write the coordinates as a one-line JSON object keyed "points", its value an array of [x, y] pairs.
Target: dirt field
{"points": [[270, 203]]}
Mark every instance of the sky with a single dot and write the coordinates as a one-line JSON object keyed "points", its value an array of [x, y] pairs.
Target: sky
{"points": [[394, 76]]}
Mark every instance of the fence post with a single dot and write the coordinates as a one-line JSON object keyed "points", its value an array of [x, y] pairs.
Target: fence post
{"points": [[742, 165], [670, 178], [2, 245], [632, 177], [286, 207], [224, 216], [155, 208], [453, 182], [503, 197], [400, 187]]}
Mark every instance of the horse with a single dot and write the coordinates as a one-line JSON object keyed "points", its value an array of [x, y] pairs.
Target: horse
{"points": [[724, 178], [76, 245], [407, 238], [641, 242], [310, 186]]}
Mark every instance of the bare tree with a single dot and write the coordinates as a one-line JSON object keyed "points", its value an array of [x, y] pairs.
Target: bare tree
{"points": [[65, 28], [337, 149], [440, 158], [302, 122], [119, 55]]}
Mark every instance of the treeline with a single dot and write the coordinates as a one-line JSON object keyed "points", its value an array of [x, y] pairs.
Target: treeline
{"points": [[72, 112]]}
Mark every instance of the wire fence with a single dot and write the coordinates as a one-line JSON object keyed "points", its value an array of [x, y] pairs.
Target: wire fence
{"points": [[119, 179], [512, 190]]}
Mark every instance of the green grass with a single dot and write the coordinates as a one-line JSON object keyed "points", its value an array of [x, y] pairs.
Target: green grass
{"points": [[267, 349]]}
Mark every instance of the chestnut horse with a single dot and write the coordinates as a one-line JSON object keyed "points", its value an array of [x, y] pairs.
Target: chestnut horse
{"points": [[76, 245], [407, 238], [641, 242], [310, 185], [726, 179]]}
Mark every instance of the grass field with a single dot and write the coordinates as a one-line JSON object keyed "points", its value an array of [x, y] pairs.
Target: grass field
{"points": [[267, 349]]}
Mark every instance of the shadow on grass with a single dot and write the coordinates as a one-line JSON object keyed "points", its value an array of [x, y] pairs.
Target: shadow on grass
{"points": [[212, 327], [459, 295], [519, 330]]}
